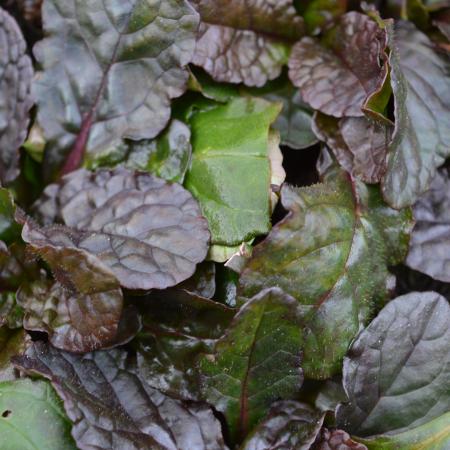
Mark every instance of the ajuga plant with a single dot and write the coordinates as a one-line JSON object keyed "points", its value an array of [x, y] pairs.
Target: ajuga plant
{"points": [[224, 224]]}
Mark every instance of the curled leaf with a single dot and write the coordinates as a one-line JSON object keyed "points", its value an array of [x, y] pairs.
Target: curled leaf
{"points": [[339, 73], [359, 144], [130, 220]]}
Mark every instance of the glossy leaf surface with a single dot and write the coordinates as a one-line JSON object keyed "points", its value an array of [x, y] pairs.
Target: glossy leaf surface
{"points": [[177, 328], [256, 362], [430, 240], [114, 409], [129, 218], [79, 316], [395, 394], [230, 143], [289, 425], [109, 72], [336, 243], [421, 139]]}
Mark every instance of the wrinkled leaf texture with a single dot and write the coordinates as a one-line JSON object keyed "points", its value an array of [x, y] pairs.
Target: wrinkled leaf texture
{"points": [[16, 73], [339, 73], [130, 220], [113, 408], [245, 41]]}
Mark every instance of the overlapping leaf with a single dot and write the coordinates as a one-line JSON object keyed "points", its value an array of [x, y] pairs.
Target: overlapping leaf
{"points": [[294, 121], [331, 254], [168, 156], [359, 144], [130, 220], [256, 362], [429, 250], [113, 408], [397, 373], [109, 72], [339, 73], [245, 41], [12, 343], [32, 417], [177, 327], [434, 435], [80, 317], [336, 440], [16, 73], [289, 425], [230, 169], [421, 139]]}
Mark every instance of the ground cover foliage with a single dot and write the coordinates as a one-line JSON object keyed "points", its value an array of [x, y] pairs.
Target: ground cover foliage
{"points": [[224, 225]]}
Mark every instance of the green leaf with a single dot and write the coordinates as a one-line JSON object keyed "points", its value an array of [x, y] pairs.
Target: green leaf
{"points": [[9, 229], [16, 73], [12, 342], [168, 156], [421, 139], [397, 372], [245, 42], [109, 72], [32, 417], [256, 362], [230, 169], [434, 435], [318, 13], [331, 254], [289, 425], [294, 121]]}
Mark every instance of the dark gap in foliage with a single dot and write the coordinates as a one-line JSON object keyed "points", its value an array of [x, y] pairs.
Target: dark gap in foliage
{"points": [[409, 280], [300, 165], [38, 336]]}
